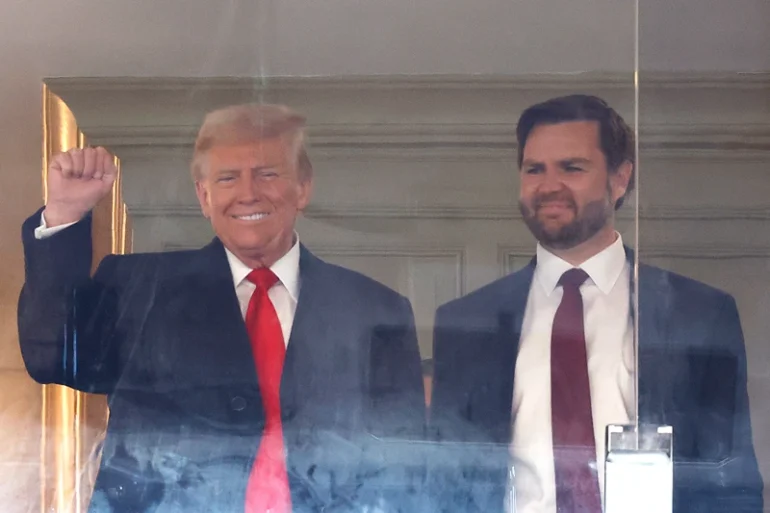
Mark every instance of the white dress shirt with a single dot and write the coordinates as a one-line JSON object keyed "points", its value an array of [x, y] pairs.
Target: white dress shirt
{"points": [[43, 231], [283, 294], [609, 348]]}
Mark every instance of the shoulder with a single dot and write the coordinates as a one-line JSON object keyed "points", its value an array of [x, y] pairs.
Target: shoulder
{"points": [[350, 290], [683, 290], [486, 301], [143, 266], [356, 284]]}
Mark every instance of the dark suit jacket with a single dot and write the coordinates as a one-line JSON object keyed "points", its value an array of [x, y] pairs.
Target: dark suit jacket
{"points": [[163, 336], [692, 375]]}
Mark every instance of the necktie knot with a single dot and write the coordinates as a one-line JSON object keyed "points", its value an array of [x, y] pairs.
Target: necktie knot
{"points": [[573, 278], [263, 278]]}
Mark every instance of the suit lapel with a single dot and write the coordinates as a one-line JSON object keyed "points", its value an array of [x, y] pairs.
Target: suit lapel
{"points": [[309, 329], [511, 314], [519, 293], [215, 320], [654, 321], [509, 318]]}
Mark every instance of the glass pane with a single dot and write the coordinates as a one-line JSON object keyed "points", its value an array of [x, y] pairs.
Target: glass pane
{"points": [[411, 114], [704, 259]]}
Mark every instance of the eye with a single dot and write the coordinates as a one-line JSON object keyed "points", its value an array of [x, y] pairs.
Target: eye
{"points": [[533, 170], [268, 174], [225, 178], [573, 168]]}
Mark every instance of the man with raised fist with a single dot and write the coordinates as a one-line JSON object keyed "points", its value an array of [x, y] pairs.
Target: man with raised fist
{"points": [[248, 375]]}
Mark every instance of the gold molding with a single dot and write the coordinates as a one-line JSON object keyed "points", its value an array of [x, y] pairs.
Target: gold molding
{"points": [[72, 422]]}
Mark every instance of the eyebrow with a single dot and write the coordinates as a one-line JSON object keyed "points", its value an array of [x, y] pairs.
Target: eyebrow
{"points": [[238, 170], [575, 160], [563, 162]]}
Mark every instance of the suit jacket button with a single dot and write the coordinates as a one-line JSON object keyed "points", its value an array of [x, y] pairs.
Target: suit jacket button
{"points": [[115, 491], [238, 403]]}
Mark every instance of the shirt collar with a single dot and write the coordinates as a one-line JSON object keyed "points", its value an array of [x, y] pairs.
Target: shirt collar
{"points": [[285, 268], [603, 269]]}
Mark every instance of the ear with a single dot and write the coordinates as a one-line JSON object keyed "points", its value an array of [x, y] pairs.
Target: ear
{"points": [[304, 193], [620, 179], [201, 190]]}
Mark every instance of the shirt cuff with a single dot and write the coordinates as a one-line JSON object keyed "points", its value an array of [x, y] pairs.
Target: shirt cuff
{"points": [[43, 231]]}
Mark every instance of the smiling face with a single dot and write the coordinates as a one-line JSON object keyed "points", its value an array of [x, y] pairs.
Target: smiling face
{"points": [[567, 193], [252, 194]]}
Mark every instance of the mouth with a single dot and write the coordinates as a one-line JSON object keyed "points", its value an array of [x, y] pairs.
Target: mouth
{"points": [[252, 217], [554, 206]]}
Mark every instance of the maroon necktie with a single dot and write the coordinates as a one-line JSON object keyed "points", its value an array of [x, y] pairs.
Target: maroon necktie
{"points": [[574, 447], [268, 487]]}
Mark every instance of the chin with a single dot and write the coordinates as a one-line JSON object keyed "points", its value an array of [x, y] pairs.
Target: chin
{"points": [[562, 218], [253, 248], [553, 231]]}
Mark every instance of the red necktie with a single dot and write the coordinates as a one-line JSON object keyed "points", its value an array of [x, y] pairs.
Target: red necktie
{"points": [[574, 447], [268, 487]]}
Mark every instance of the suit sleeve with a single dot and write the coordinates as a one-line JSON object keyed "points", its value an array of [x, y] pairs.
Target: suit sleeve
{"points": [[461, 460], [396, 386], [393, 445], [66, 319], [449, 391], [736, 481]]}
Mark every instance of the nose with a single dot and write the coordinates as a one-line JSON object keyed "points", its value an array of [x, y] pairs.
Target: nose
{"points": [[550, 181], [248, 190]]}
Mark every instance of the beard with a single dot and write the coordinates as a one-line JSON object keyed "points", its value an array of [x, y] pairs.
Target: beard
{"points": [[585, 223]]}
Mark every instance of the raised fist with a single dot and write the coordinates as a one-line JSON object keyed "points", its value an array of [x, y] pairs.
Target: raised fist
{"points": [[77, 180]]}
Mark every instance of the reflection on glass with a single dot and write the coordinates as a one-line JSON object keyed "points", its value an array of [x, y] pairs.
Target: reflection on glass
{"points": [[703, 188], [413, 114]]}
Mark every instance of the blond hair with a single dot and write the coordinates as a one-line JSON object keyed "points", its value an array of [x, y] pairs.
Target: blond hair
{"points": [[250, 123]]}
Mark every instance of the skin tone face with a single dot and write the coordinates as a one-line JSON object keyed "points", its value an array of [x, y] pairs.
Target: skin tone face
{"points": [[567, 194], [252, 194]]}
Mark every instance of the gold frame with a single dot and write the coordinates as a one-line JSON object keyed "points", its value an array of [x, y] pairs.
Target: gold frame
{"points": [[72, 422]]}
